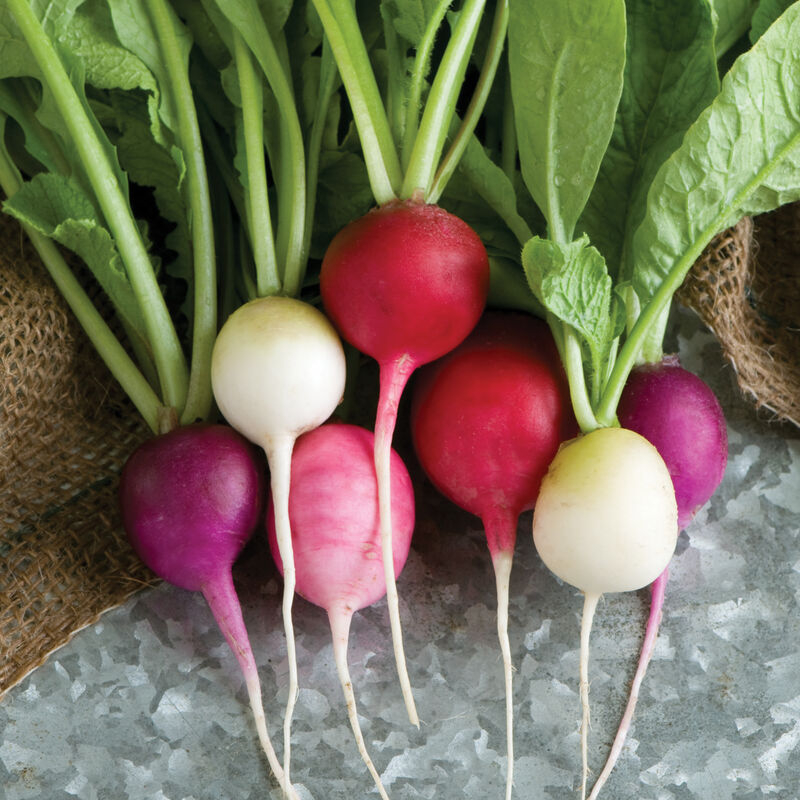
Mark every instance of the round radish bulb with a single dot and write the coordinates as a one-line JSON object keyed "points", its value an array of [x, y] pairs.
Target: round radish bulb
{"points": [[333, 508], [190, 500], [404, 284], [679, 414], [277, 371], [606, 520], [486, 421]]}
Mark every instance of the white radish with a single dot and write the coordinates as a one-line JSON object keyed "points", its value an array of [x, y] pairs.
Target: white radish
{"points": [[278, 370], [606, 520]]}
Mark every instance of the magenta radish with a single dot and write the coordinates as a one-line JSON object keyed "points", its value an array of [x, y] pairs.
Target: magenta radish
{"points": [[404, 284], [190, 500], [679, 414], [486, 421], [605, 520], [333, 508], [277, 371]]}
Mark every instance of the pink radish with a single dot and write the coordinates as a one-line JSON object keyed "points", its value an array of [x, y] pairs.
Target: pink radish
{"points": [[190, 500], [486, 421], [679, 414], [333, 508], [277, 371], [404, 284]]}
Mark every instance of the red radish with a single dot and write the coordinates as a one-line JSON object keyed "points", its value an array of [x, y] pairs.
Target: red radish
{"points": [[679, 414], [190, 500], [333, 508], [277, 371], [404, 284], [486, 421]]}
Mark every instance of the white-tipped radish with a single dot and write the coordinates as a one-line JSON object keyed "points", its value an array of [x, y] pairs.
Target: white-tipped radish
{"points": [[333, 507], [606, 520], [278, 370]]}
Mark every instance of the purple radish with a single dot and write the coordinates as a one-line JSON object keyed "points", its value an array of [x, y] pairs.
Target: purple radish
{"points": [[333, 508], [486, 421], [679, 414], [190, 500], [404, 284]]}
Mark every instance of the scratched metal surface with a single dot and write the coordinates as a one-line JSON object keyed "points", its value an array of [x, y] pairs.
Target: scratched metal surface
{"points": [[149, 704]]}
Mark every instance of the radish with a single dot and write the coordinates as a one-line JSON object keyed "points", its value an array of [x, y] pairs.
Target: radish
{"points": [[277, 371], [679, 414], [333, 508], [404, 284], [606, 520], [190, 500], [486, 421]]}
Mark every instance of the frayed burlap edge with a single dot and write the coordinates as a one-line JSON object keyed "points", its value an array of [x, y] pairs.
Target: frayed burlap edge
{"points": [[746, 288], [65, 431]]}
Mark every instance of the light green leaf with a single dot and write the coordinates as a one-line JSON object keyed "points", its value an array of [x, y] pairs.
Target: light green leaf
{"points": [[670, 77], [57, 207], [566, 61], [741, 157], [732, 20]]}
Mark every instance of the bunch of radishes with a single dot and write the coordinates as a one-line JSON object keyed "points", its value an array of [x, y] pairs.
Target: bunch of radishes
{"points": [[575, 415]]}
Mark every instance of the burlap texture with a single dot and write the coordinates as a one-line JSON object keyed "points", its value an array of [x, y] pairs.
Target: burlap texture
{"points": [[746, 288], [65, 431]]}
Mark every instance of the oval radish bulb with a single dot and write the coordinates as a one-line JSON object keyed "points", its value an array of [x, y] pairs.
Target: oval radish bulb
{"points": [[677, 412], [333, 508], [606, 520], [486, 421], [190, 500], [277, 371], [404, 284]]}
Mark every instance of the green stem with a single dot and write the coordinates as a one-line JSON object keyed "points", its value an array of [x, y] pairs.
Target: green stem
{"points": [[380, 153], [113, 354], [440, 106], [168, 356], [422, 61], [328, 78], [395, 69], [477, 102], [291, 178], [259, 221], [204, 286], [573, 364]]}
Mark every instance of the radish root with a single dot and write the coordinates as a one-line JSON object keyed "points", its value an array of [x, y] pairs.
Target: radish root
{"points": [[340, 629], [502, 570], [589, 607], [393, 378], [657, 590]]}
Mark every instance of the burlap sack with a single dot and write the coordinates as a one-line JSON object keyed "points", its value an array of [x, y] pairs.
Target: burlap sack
{"points": [[65, 431], [746, 288]]}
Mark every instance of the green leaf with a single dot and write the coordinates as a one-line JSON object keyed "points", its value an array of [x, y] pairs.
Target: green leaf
{"points": [[566, 60], [732, 20], [572, 282], [670, 77], [741, 157], [767, 11], [57, 207]]}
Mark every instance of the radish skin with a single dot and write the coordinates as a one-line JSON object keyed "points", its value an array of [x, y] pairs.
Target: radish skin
{"points": [[333, 507], [190, 499], [277, 371], [486, 421], [606, 520], [404, 284]]}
